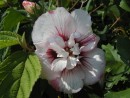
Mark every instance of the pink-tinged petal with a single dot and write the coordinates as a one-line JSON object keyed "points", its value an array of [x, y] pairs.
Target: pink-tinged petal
{"points": [[71, 41], [91, 78], [60, 51], [83, 21], [50, 55], [64, 22], [55, 84], [60, 23], [75, 50], [47, 73], [39, 47], [59, 64], [89, 43], [78, 71], [60, 41], [84, 40], [70, 82], [43, 29], [71, 62], [93, 65]]}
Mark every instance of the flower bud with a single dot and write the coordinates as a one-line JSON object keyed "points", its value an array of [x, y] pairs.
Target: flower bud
{"points": [[29, 6]]}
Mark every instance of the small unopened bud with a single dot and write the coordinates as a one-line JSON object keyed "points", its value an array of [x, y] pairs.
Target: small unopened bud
{"points": [[29, 6]]}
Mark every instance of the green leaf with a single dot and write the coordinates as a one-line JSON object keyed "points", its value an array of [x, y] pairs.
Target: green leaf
{"points": [[88, 4], [115, 67], [18, 74], [114, 9], [13, 1], [120, 94], [124, 5], [11, 20], [23, 42], [65, 3], [2, 3], [4, 53], [111, 53], [8, 38], [124, 49]]}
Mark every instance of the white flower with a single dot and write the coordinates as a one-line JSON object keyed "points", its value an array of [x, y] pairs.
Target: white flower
{"points": [[68, 49]]}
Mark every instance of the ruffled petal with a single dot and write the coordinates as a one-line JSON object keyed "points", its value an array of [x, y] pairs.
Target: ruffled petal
{"points": [[39, 48], [83, 21], [70, 81], [64, 22], [71, 41], [43, 29], [60, 41], [60, 51], [59, 65], [47, 73], [89, 43], [56, 22], [71, 62], [75, 49], [93, 65]]}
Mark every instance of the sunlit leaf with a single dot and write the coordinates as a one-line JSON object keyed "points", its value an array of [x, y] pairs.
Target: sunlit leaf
{"points": [[8, 38], [115, 67], [2, 3], [120, 94], [18, 74]]}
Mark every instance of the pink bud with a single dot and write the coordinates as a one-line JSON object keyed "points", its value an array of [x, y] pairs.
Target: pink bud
{"points": [[28, 6]]}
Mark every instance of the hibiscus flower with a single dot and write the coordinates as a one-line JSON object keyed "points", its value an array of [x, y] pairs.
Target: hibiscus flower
{"points": [[67, 48]]}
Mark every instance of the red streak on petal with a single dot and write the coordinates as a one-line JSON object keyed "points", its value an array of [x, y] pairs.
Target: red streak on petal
{"points": [[51, 55], [61, 34], [86, 40], [85, 63], [51, 12], [55, 84]]}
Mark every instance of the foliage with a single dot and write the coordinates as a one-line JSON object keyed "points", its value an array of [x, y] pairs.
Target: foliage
{"points": [[18, 74], [20, 68], [115, 68], [120, 94]]}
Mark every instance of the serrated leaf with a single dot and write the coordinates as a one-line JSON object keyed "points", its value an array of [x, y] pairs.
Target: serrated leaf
{"points": [[120, 94], [124, 5], [115, 67], [111, 53], [8, 38], [18, 74]]}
